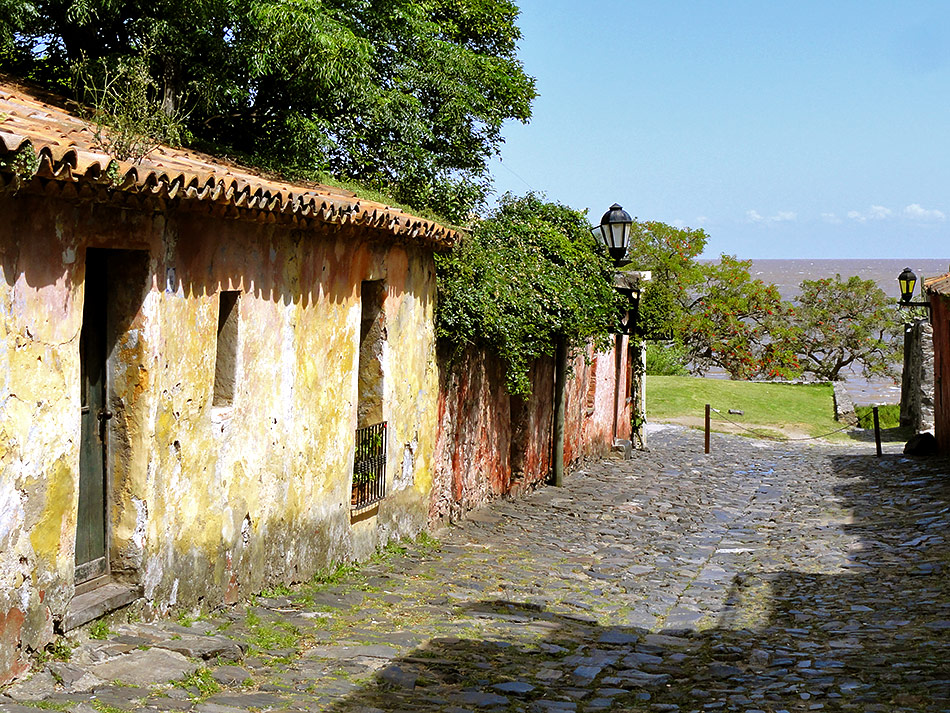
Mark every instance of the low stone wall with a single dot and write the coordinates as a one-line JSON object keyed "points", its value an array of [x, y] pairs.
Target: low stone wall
{"points": [[844, 405]]}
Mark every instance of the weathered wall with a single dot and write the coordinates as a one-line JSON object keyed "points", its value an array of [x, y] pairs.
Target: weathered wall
{"points": [[917, 379], [492, 444], [940, 318], [206, 502]]}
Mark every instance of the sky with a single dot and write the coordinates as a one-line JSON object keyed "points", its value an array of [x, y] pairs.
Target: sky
{"points": [[782, 129]]}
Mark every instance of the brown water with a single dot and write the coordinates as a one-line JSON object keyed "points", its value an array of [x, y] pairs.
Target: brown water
{"points": [[787, 275]]}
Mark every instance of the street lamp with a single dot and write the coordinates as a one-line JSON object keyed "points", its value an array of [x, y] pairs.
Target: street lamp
{"points": [[615, 233], [907, 281]]}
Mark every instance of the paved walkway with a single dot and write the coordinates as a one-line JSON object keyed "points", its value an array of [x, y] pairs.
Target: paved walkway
{"points": [[758, 578]]}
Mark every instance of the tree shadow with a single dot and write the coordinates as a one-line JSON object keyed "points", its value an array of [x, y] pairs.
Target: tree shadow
{"points": [[870, 631], [899, 434]]}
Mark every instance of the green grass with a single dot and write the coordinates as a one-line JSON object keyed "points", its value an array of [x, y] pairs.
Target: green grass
{"points": [[202, 681], [270, 636], [888, 416], [768, 408], [99, 629]]}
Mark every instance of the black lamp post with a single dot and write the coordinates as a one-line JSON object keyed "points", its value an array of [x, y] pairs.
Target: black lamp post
{"points": [[907, 281], [615, 233]]}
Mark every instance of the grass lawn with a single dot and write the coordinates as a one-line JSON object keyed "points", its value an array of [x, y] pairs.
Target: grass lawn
{"points": [[768, 409]]}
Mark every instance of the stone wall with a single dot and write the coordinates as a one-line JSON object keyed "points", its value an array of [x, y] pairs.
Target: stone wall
{"points": [[917, 380], [204, 503]]}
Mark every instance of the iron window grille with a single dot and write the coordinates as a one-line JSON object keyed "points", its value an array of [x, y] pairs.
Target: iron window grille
{"points": [[369, 466]]}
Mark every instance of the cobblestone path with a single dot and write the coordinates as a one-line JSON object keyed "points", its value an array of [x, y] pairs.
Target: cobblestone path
{"points": [[757, 578]]}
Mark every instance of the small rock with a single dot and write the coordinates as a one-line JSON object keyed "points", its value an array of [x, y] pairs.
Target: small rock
{"points": [[145, 668], [74, 678], [204, 647], [517, 687], [37, 687], [397, 677], [481, 699], [923, 444], [230, 675]]}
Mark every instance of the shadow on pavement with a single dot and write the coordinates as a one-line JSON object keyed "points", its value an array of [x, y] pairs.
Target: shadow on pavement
{"points": [[900, 434], [872, 636]]}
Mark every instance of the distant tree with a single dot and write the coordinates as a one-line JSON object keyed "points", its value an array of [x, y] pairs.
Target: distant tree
{"points": [[408, 96], [714, 313], [838, 324], [730, 323]]}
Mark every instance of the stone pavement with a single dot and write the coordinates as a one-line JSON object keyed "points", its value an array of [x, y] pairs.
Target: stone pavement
{"points": [[762, 577]]}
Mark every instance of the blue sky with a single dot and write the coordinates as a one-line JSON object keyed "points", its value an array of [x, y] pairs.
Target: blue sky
{"points": [[783, 129]]}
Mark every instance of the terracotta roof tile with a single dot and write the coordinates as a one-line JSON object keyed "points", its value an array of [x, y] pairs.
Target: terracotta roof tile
{"points": [[939, 285], [66, 152]]}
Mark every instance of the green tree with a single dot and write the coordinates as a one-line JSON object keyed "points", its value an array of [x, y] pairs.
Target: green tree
{"points": [[713, 313], [406, 95], [836, 324], [730, 320], [524, 277]]}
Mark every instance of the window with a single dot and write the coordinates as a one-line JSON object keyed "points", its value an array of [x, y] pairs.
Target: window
{"points": [[225, 360], [369, 466]]}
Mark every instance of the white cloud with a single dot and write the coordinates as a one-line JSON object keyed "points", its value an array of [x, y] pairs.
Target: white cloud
{"points": [[917, 212], [783, 216], [875, 212], [702, 220], [831, 218], [878, 212]]}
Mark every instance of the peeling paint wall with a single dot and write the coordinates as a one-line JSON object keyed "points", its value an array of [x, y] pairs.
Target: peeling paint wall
{"points": [[940, 318], [492, 444], [207, 503]]}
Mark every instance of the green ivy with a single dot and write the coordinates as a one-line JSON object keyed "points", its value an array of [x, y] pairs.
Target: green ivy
{"points": [[529, 274], [22, 163]]}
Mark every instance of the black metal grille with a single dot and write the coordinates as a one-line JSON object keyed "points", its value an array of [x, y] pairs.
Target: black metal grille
{"points": [[369, 465]]}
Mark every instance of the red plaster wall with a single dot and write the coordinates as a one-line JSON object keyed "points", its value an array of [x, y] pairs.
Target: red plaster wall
{"points": [[492, 444], [940, 318], [474, 433]]}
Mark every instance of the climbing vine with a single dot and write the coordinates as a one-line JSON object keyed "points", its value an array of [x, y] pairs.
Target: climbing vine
{"points": [[524, 277], [22, 164]]}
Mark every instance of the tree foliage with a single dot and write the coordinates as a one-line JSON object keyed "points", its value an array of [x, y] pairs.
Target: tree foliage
{"points": [[524, 277], [837, 324], [714, 314], [730, 322], [405, 95]]}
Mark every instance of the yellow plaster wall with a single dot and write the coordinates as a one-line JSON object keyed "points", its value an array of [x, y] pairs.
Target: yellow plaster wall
{"points": [[208, 502]]}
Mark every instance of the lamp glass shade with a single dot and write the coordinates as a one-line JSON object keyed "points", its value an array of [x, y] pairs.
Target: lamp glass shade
{"points": [[615, 231], [907, 281]]}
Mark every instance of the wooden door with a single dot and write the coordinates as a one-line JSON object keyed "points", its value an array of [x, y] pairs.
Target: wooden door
{"points": [[91, 542]]}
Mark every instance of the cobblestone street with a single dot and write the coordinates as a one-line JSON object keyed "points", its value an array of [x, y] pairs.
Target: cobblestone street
{"points": [[761, 577]]}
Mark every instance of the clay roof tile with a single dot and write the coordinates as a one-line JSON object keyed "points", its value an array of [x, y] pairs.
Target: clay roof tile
{"points": [[65, 148]]}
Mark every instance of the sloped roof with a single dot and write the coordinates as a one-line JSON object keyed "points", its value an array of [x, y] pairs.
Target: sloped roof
{"points": [[938, 285], [65, 148]]}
